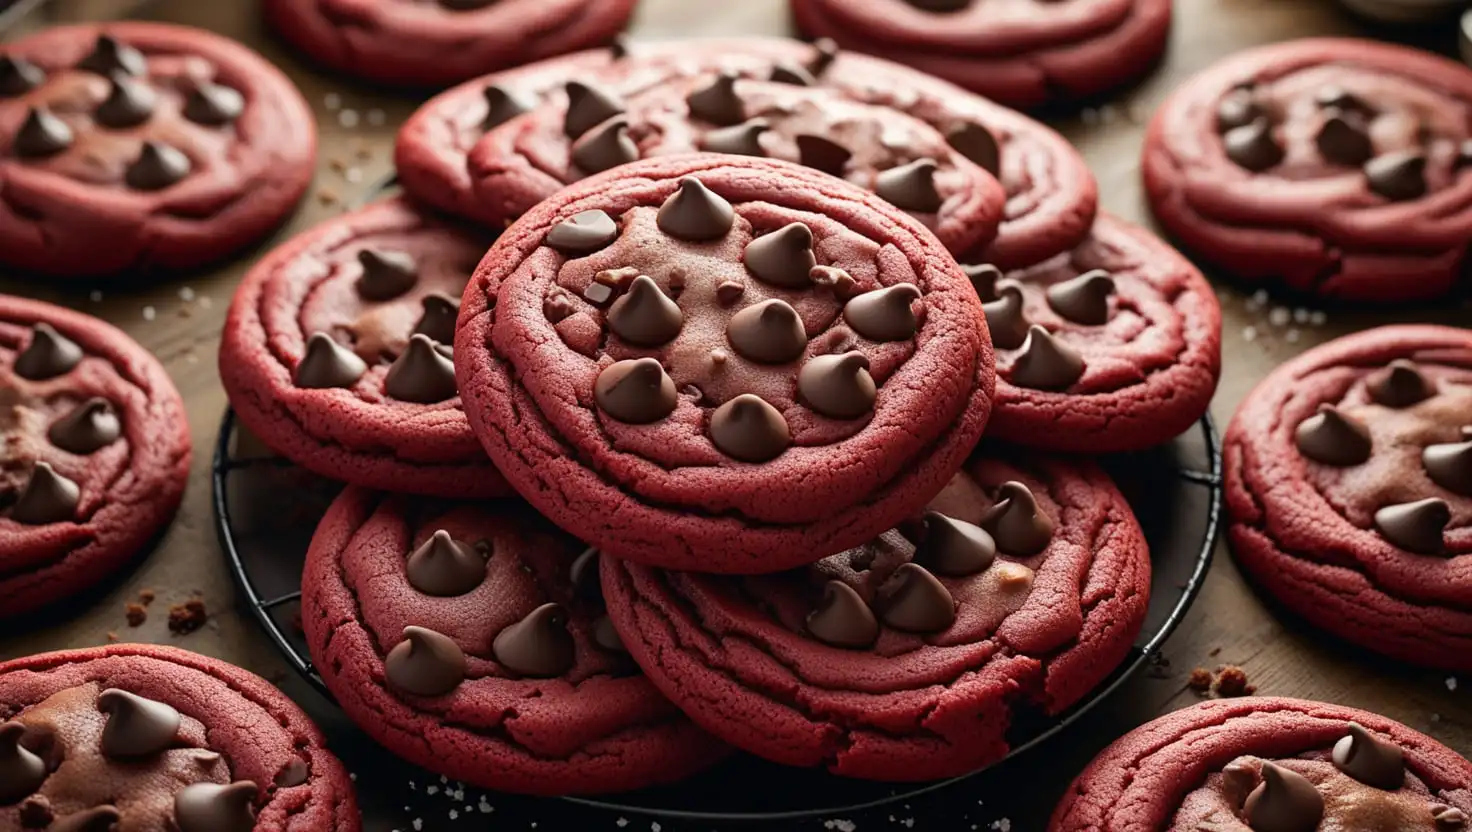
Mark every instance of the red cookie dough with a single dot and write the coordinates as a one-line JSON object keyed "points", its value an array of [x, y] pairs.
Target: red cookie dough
{"points": [[1027, 584], [1333, 167], [153, 739], [372, 402], [1358, 517], [691, 432], [472, 640], [1130, 347], [1325, 766], [439, 42], [140, 147], [94, 453], [1051, 195], [1020, 54]]}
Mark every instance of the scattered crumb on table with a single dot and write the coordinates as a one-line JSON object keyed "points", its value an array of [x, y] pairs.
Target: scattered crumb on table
{"points": [[188, 616]]}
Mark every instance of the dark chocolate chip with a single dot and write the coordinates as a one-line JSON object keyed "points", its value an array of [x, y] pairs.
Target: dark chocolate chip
{"points": [[502, 105], [884, 314], [584, 575], [1018, 525], [422, 374], [822, 154], [940, 5], [1464, 156], [538, 646], [425, 663], [620, 47], [729, 292], [749, 429], [835, 280], [1005, 316], [695, 213], [1370, 760], [784, 257], [837, 386], [1343, 139], [645, 315], [438, 319], [386, 274], [444, 567], [19, 76], [328, 364], [954, 548], [1238, 108], [977, 143], [740, 140], [47, 498], [1084, 299], [89, 427], [1046, 363], [842, 619], [21, 771], [825, 52], [293, 774], [1400, 385], [129, 102], [983, 277], [136, 727], [109, 55], [214, 104], [1253, 146], [465, 5], [157, 167], [915, 601], [41, 134], [606, 637], [584, 233], [47, 355], [1336, 97], [910, 187], [790, 73], [1397, 176], [95, 819], [770, 332], [210, 807], [1285, 801], [636, 391], [1416, 527], [1450, 465], [606, 146], [587, 107], [718, 102], [1333, 437]]}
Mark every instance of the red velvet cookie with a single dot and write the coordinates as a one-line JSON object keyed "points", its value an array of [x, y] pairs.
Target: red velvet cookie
{"points": [[1114, 346], [1349, 486], [1340, 168], [1051, 196], [148, 738], [94, 452], [142, 146], [723, 363], [1027, 582], [337, 352], [438, 42], [1020, 54], [472, 640], [1270, 765]]}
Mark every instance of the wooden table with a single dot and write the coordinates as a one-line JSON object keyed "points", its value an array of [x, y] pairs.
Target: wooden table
{"points": [[180, 321]]}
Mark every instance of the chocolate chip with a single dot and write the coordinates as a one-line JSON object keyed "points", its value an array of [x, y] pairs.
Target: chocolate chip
{"points": [[444, 567], [825, 52], [1016, 522], [1336, 97], [19, 76], [89, 427], [770, 332], [584, 233], [822, 154], [1084, 299], [1416, 527], [1400, 385], [983, 279], [729, 292], [636, 391], [502, 105], [789, 73], [213, 104], [209, 807], [695, 213], [884, 314], [1448, 818], [41, 134], [328, 364], [835, 280], [136, 727], [606, 637], [914, 601], [438, 319], [386, 274], [1333, 437], [977, 143], [784, 257], [422, 374], [157, 167], [940, 5], [1285, 801], [47, 498], [109, 55], [1370, 760], [1450, 465], [538, 646], [718, 102], [21, 771], [837, 386], [1464, 155], [749, 429], [739, 140], [584, 575], [606, 146], [954, 548], [1005, 318], [1397, 176], [910, 187], [465, 5], [1237, 108], [1252, 146], [1343, 140], [1045, 363], [842, 619], [95, 819], [47, 355], [620, 47], [645, 315], [293, 774], [587, 107], [129, 103], [425, 663]]}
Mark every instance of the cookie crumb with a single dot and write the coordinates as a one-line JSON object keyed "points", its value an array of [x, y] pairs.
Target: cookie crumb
{"points": [[146, 597], [1231, 681], [112, 638], [328, 198], [187, 617], [1200, 680], [1215, 651], [136, 615], [296, 623], [149, 313]]}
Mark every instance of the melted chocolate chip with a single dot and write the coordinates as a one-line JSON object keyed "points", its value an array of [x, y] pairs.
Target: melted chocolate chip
{"points": [[1333, 437], [784, 257], [606, 146], [940, 5], [884, 314], [293, 774], [910, 187], [977, 144], [749, 429], [645, 315], [157, 167], [718, 102], [1016, 522], [465, 5], [587, 107], [584, 575], [41, 134], [636, 391], [954, 548], [1399, 385], [1045, 363], [214, 104], [1285, 801], [838, 386], [209, 807], [1370, 760], [1397, 176], [129, 103], [538, 646], [1005, 318], [328, 364], [425, 663], [695, 213], [842, 619], [444, 567], [1084, 299], [136, 727], [1237, 108], [386, 274], [19, 76], [740, 140], [822, 154], [1416, 527], [21, 772], [1343, 139], [110, 55], [502, 105], [47, 355], [422, 374], [47, 498], [983, 277], [1253, 146], [790, 73], [438, 319], [584, 233], [1450, 465], [606, 637], [915, 601], [95, 819], [769, 332], [89, 427]]}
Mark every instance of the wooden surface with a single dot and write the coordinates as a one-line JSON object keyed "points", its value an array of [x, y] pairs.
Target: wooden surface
{"points": [[180, 320]]}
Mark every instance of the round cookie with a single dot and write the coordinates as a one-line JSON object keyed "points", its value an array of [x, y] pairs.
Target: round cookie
{"points": [[138, 147], [472, 640], [94, 453], [152, 738], [1128, 351], [1020, 54], [723, 363], [336, 352], [441, 42], [1025, 586], [1333, 167], [1349, 490], [1270, 765]]}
